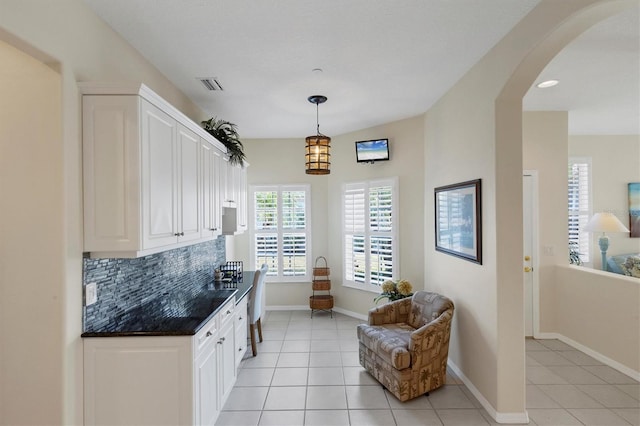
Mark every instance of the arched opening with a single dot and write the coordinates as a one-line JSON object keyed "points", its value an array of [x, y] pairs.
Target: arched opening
{"points": [[509, 130]]}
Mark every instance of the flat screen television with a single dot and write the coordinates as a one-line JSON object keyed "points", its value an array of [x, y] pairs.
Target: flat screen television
{"points": [[372, 151]]}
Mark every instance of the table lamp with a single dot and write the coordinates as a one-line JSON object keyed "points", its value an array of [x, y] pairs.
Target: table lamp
{"points": [[604, 222]]}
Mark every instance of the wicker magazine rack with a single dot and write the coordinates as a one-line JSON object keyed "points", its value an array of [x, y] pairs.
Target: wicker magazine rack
{"points": [[321, 282]]}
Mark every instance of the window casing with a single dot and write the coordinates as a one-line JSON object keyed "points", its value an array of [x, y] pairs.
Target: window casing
{"points": [[280, 231], [579, 204], [370, 239]]}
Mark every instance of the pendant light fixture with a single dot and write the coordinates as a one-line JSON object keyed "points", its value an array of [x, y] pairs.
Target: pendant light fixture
{"points": [[318, 147]]}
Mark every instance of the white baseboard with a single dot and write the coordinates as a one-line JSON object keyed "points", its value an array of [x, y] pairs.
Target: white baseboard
{"points": [[306, 308], [513, 418], [287, 307], [635, 375], [351, 314]]}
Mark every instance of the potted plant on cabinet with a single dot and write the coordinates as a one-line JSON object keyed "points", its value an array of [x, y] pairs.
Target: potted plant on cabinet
{"points": [[226, 133]]}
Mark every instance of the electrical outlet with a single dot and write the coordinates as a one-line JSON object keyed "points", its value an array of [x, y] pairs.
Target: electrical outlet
{"points": [[548, 250], [91, 294]]}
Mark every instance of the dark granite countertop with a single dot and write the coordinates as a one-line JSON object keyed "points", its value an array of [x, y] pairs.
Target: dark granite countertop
{"points": [[178, 313]]}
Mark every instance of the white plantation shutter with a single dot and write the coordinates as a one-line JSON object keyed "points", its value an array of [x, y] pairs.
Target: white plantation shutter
{"points": [[579, 192], [354, 210], [369, 232], [354, 226], [266, 251], [266, 208], [280, 234]]}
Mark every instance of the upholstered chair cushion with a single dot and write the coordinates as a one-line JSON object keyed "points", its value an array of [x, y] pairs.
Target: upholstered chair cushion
{"points": [[390, 342], [426, 307]]}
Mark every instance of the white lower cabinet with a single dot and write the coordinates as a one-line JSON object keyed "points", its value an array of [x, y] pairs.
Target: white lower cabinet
{"points": [[160, 380]]}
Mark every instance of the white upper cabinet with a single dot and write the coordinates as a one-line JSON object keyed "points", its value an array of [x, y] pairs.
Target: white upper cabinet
{"points": [[153, 179], [211, 164]]}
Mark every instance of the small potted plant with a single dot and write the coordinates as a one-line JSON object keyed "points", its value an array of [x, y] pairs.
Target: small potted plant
{"points": [[227, 133], [395, 290]]}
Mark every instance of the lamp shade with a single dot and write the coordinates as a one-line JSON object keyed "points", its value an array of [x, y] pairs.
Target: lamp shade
{"points": [[605, 222], [318, 155]]}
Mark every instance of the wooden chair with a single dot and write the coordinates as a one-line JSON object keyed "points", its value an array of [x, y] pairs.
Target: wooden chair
{"points": [[255, 306]]}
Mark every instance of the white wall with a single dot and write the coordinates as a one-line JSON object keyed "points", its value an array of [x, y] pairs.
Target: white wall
{"points": [[601, 311], [42, 262], [615, 162], [32, 271], [282, 162], [544, 149], [475, 131]]}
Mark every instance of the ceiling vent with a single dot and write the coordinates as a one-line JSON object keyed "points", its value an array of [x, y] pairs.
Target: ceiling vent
{"points": [[211, 83]]}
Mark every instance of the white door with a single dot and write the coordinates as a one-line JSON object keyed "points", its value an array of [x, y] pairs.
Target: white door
{"points": [[529, 249]]}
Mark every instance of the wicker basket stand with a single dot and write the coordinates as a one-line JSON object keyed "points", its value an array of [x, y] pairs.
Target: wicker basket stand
{"points": [[321, 282]]}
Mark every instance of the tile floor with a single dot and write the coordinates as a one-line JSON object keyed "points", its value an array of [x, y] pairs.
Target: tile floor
{"points": [[307, 373]]}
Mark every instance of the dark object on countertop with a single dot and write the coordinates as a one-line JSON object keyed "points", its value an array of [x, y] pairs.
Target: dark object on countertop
{"points": [[232, 269]]}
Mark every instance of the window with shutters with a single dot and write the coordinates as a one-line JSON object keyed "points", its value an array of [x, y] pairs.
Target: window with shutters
{"points": [[280, 231], [579, 205], [370, 233]]}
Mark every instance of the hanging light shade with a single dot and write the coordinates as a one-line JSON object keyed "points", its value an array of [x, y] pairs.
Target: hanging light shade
{"points": [[318, 147]]}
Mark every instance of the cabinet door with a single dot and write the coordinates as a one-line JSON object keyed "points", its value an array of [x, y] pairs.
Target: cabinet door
{"points": [[207, 188], [111, 156], [158, 135], [242, 198], [217, 197], [226, 174], [211, 196], [227, 363], [188, 214], [206, 386]]}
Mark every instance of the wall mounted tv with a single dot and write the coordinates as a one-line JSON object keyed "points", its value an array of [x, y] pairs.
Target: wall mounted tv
{"points": [[372, 151]]}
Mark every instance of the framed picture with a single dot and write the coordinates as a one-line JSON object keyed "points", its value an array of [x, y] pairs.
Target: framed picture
{"points": [[459, 220], [634, 210]]}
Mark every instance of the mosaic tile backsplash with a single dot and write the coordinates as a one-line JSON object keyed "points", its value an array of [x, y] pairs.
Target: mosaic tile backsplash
{"points": [[124, 285]]}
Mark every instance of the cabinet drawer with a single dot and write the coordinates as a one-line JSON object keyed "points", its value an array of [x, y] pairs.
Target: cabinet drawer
{"points": [[208, 333], [227, 312], [241, 311]]}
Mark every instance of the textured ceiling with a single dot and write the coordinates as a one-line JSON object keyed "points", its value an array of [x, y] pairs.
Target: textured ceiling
{"points": [[381, 60]]}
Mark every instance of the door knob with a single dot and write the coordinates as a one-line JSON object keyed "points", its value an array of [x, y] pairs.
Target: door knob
{"points": [[527, 258], [528, 269]]}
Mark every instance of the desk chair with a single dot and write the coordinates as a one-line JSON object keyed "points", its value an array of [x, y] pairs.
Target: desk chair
{"points": [[255, 305]]}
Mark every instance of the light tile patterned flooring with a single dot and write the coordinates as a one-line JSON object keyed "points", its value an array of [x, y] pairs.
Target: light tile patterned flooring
{"points": [[307, 373]]}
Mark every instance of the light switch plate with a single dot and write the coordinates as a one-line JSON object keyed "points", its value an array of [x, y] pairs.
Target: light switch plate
{"points": [[91, 294]]}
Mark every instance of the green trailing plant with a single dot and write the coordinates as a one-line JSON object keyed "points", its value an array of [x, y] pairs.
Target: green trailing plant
{"points": [[574, 255], [227, 133]]}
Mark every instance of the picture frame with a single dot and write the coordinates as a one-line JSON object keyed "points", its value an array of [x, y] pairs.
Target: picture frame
{"points": [[458, 220]]}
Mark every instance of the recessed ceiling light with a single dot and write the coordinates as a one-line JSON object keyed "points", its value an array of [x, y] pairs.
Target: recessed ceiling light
{"points": [[547, 83]]}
